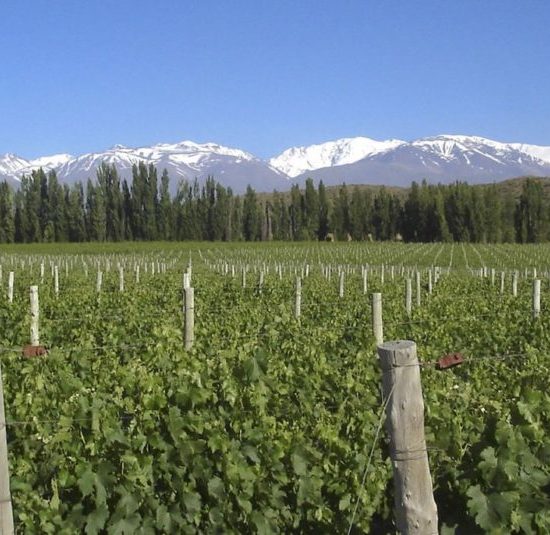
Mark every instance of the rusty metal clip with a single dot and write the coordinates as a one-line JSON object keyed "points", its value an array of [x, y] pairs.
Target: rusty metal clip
{"points": [[450, 360], [34, 351]]}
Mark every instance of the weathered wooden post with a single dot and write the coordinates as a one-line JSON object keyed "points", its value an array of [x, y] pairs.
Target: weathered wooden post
{"points": [[186, 281], [120, 279], [418, 290], [56, 280], [515, 284], [536, 298], [341, 289], [298, 303], [415, 508], [11, 277], [377, 325], [408, 297], [99, 281], [189, 294], [35, 313]]}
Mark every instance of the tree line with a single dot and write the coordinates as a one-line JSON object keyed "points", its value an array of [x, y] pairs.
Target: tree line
{"points": [[110, 209]]}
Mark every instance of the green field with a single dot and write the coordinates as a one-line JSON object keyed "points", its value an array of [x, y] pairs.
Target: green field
{"points": [[266, 424]]}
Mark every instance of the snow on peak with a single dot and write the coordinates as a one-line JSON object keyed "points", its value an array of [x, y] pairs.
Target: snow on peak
{"points": [[10, 164], [535, 151], [298, 160], [50, 162]]}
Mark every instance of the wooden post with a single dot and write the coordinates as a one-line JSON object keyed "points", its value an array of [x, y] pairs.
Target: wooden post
{"points": [[365, 281], [6, 513], [341, 290], [120, 278], [418, 290], [11, 276], [408, 297], [536, 298], [430, 284], [298, 304], [415, 508], [99, 280], [377, 324], [515, 284], [42, 272], [35, 312], [244, 278], [261, 281], [501, 282], [137, 274], [186, 281], [56, 280], [189, 294]]}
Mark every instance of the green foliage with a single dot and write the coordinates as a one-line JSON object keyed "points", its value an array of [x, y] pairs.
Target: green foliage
{"points": [[266, 424]]}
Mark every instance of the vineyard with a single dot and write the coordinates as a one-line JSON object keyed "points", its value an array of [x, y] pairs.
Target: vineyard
{"points": [[266, 422]]}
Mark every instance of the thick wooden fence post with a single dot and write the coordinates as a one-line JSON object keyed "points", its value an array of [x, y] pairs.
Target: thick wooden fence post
{"points": [[536, 298], [189, 294], [120, 279], [6, 513], [377, 325], [415, 508], [11, 277], [35, 311], [408, 297], [298, 303], [56, 281]]}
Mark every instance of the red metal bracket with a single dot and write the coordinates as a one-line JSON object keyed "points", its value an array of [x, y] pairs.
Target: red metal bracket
{"points": [[450, 360], [34, 351]]}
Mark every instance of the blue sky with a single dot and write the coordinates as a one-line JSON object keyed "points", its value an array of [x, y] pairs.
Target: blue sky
{"points": [[79, 76]]}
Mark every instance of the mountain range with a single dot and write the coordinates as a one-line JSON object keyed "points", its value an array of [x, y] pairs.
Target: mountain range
{"points": [[358, 160]]}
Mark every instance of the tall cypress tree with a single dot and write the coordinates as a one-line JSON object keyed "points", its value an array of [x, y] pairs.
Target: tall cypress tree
{"points": [[251, 219], [7, 214], [324, 213]]}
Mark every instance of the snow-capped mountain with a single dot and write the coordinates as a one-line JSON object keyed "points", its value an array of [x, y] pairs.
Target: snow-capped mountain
{"points": [[186, 160], [12, 167], [298, 160], [442, 158], [358, 160]]}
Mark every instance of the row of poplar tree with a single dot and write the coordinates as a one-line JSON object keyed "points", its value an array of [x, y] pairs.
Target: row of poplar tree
{"points": [[110, 209]]}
